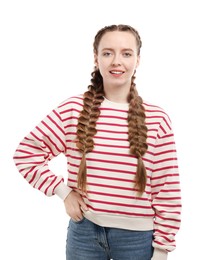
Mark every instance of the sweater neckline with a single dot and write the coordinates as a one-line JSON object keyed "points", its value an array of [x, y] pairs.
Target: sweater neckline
{"points": [[113, 104]]}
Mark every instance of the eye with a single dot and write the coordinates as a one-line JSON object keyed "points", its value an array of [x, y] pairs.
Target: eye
{"points": [[107, 54], [127, 54]]}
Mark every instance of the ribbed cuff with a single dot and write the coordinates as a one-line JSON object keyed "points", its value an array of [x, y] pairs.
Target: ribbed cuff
{"points": [[159, 254], [62, 190]]}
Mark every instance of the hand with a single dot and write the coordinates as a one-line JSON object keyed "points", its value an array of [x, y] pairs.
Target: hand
{"points": [[159, 254], [74, 204]]}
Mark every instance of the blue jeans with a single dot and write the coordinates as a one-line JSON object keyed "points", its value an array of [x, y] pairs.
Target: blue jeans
{"points": [[88, 241]]}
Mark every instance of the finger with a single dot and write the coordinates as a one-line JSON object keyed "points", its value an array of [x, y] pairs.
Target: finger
{"points": [[75, 212], [83, 204], [76, 219]]}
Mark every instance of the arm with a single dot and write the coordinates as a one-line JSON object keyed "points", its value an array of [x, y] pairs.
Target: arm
{"points": [[166, 198], [31, 157]]}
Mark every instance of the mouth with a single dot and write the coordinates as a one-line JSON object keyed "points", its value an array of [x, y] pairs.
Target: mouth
{"points": [[116, 72]]}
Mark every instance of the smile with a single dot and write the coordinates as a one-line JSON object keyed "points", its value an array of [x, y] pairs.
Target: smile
{"points": [[116, 72]]}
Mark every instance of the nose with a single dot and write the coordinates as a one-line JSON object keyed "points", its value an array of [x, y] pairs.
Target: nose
{"points": [[116, 60]]}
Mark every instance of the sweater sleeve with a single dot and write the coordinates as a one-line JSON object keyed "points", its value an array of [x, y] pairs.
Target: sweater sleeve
{"points": [[32, 155], [165, 185]]}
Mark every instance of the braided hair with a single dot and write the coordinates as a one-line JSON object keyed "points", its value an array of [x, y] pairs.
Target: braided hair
{"points": [[86, 128]]}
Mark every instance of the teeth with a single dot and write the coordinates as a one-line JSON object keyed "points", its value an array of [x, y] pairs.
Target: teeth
{"points": [[116, 72]]}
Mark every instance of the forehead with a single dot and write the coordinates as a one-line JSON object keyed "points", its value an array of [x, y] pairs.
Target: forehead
{"points": [[117, 39]]}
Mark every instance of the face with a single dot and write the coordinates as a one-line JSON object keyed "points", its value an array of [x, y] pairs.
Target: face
{"points": [[117, 59]]}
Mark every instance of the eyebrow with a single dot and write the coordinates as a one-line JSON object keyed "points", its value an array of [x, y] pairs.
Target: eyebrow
{"points": [[111, 49]]}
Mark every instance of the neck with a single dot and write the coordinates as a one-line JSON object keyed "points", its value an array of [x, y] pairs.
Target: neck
{"points": [[117, 96]]}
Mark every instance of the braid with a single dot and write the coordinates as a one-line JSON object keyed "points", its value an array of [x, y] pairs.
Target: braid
{"points": [[86, 128], [137, 135]]}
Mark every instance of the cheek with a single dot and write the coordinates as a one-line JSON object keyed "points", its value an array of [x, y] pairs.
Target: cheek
{"points": [[102, 66], [132, 66], [103, 72]]}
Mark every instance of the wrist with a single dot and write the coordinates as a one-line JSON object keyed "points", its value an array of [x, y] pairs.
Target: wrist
{"points": [[62, 190]]}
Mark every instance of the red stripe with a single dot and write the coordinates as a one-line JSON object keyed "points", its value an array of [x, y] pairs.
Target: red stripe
{"points": [[111, 195], [110, 186], [114, 117], [109, 131], [33, 177], [105, 169], [159, 243], [104, 161], [70, 110], [56, 124], [54, 144], [70, 125], [54, 133], [167, 123], [112, 146], [155, 117], [164, 152], [162, 232], [121, 212], [41, 185], [166, 160], [170, 190], [30, 170], [152, 137], [71, 102], [42, 173], [28, 156], [61, 180], [167, 239], [69, 118], [109, 178], [43, 142], [106, 186], [163, 130], [106, 153], [22, 151], [117, 195], [165, 168], [74, 173], [168, 219], [167, 226], [166, 136], [23, 163], [166, 205], [170, 198], [31, 146], [113, 109], [165, 176], [172, 212], [155, 110], [120, 204], [152, 123], [50, 185], [113, 139], [164, 144], [111, 124]]}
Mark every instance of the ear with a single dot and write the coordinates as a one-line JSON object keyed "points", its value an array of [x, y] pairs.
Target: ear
{"points": [[138, 61], [95, 60]]}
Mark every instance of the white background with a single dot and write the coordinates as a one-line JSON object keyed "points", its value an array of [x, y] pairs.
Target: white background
{"points": [[46, 56]]}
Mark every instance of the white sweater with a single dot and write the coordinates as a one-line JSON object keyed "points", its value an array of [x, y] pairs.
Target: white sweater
{"points": [[111, 198]]}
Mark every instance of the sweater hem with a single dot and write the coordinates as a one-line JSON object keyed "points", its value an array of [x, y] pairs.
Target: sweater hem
{"points": [[123, 222]]}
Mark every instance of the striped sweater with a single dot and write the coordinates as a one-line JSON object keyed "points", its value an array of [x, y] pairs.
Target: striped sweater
{"points": [[111, 198]]}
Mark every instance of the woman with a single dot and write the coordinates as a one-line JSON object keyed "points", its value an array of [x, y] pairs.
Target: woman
{"points": [[122, 194]]}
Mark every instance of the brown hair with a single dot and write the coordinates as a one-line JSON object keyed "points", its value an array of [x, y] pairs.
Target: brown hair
{"points": [[86, 128]]}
